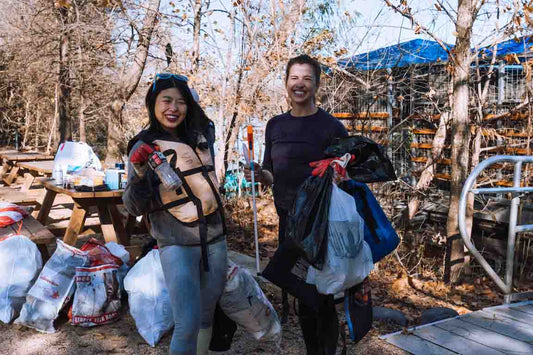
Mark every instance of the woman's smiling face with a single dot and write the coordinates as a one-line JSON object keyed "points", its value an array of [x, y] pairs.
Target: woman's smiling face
{"points": [[170, 109]]}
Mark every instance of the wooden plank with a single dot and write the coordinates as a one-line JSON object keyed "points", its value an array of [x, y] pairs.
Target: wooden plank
{"points": [[40, 234], [484, 336], [424, 131], [513, 314], [118, 224], [527, 308], [106, 222], [416, 345], [12, 175], [77, 221], [502, 325], [443, 161], [452, 341], [362, 115], [41, 166], [28, 181], [48, 201]]}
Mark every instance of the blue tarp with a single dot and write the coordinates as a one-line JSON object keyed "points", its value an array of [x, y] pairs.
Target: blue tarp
{"points": [[417, 51], [520, 46], [422, 51]]}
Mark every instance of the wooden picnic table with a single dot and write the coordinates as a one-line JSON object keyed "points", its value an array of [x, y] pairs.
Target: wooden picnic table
{"points": [[33, 169], [113, 227], [34, 230], [10, 160]]}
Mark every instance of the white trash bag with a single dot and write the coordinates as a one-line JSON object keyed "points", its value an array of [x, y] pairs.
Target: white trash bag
{"points": [[74, 156], [244, 302], [20, 263], [348, 258], [97, 296], [148, 298], [53, 288]]}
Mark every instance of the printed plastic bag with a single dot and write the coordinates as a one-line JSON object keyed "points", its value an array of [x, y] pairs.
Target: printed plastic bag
{"points": [[20, 263], [97, 296], [244, 302], [348, 258], [8, 206], [53, 288], [148, 298], [11, 213], [9, 217]]}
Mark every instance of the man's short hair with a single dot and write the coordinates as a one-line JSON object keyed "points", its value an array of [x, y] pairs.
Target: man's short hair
{"points": [[304, 59]]}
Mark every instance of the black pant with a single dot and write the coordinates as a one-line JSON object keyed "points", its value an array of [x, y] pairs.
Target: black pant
{"points": [[320, 329]]}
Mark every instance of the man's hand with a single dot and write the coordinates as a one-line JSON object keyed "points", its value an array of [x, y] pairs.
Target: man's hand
{"points": [[139, 158]]}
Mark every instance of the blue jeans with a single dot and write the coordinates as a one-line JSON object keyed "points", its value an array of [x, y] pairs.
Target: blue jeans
{"points": [[193, 292]]}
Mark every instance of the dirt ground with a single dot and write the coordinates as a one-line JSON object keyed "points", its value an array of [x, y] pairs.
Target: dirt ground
{"points": [[396, 284]]}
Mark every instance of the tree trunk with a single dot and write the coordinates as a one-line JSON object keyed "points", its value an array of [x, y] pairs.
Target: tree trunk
{"points": [[196, 36], [128, 83], [65, 123], [81, 117], [219, 159], [460, 136], [429, 169]]}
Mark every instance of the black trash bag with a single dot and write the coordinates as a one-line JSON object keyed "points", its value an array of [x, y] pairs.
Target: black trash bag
{"points": [[223, 330], [288, 270], [307, 221], [371, 164]]}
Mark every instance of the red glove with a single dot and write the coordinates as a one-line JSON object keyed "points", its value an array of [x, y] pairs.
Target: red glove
{"points": [[141, 154], [320, 166]]}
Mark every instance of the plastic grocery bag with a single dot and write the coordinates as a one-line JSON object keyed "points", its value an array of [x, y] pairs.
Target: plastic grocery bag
{"points": [[73, 156], [20, 263], [348, 257], [53, 288], [379, 232], [148, 298], [244, 302], [11, 213], [97, 296]]}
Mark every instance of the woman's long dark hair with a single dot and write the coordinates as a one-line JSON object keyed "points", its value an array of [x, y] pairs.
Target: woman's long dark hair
{"points": [[195, 123]]}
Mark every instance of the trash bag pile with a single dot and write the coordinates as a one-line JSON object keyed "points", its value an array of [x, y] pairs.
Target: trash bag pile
{"points": [[33, 295]]}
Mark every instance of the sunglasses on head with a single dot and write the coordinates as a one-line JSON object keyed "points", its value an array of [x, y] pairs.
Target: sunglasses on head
{"points": [[165, 76]]}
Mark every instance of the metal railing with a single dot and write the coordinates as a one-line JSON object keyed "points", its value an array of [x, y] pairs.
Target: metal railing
{"points": [[516, 190]]}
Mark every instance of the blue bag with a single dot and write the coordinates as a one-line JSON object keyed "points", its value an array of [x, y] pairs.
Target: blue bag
{"points": [[378, 232]]}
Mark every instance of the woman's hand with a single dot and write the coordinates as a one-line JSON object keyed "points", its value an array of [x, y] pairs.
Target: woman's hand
{"points": [[139, 158]]}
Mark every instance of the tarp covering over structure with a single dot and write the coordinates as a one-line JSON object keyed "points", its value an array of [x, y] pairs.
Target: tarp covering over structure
{"points": [[416, 51], [421, 51]]}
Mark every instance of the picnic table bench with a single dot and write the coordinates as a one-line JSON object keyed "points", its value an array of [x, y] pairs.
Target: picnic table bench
{"points": [[34, 230], [10, 160], [33, 169]]}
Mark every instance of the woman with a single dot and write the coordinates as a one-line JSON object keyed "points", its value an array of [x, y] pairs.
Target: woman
{"points": [[188, 222]]}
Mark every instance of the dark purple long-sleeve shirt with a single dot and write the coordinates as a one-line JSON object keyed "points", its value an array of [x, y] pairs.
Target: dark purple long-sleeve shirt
{"points": [[291, 143]]}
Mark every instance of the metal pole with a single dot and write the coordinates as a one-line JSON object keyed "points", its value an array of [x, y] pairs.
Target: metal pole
{"points": [[511, 236], [251, 155]]}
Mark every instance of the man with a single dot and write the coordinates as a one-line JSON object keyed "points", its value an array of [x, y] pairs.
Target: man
{"points": [[292, 141]]}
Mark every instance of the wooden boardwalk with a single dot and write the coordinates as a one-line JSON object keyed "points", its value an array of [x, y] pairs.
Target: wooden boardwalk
{"points": [[505, 329]]}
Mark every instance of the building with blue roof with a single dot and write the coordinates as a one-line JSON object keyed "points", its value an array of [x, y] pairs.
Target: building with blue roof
{"points": [[407, 89]]}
